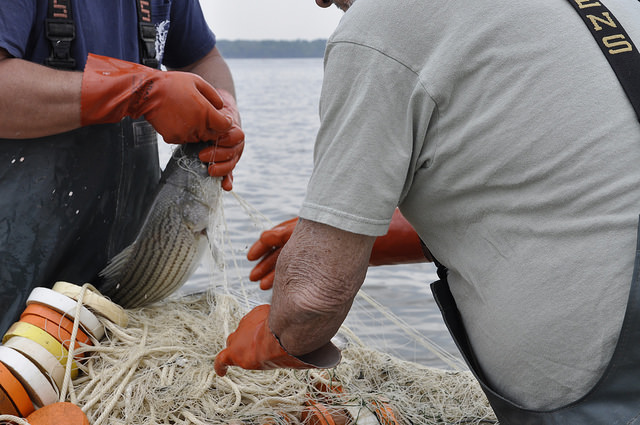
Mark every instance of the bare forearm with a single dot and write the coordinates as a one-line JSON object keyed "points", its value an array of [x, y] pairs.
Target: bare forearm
{"points": [[37, 101], [318, 275], [214, 69]]}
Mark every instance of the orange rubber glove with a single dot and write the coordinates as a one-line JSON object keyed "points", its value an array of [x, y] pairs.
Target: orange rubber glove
{"points": [[225, 153], [268, 247], [253, 346], [401, 245], [181, 106]]}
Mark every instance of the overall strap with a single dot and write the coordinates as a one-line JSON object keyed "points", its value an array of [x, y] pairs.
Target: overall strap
{"points": [[146, 34], [60, 30], [616, 45]]}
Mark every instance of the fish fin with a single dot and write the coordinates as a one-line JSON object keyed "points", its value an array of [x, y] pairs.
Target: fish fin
{"points": [[113, 271]]}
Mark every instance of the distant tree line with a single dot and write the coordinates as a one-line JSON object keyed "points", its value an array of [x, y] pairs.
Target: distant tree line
{"points": [[272, 48]]}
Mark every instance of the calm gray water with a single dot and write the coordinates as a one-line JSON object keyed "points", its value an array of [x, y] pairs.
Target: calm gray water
{"points": [[278, 100]]}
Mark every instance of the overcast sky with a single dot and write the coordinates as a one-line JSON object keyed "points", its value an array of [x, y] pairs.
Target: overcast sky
{"points": [[270, 19]]}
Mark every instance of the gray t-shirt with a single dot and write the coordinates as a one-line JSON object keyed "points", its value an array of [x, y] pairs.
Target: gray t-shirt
{"points": [[501, 132]]}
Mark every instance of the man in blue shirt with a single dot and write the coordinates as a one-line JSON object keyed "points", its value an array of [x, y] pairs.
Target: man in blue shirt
{"points": [[78, 145]]}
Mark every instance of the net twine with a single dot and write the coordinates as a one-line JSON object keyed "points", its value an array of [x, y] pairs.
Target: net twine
{"points": [[159, 369]]}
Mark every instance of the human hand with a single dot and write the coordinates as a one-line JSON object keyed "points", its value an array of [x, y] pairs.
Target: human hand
{"points": [[181, 106], [401, 245], [226, 150], [254, 346], [268, 247]]}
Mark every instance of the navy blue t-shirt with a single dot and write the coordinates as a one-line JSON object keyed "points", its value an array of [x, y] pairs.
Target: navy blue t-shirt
{"points": [[109, 28]]}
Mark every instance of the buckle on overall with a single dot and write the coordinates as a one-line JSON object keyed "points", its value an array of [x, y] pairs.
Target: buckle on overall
{"points": [[60, 34]]}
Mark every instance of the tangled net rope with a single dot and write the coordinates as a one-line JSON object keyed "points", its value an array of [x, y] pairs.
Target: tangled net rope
{"points": [[159, 370]]}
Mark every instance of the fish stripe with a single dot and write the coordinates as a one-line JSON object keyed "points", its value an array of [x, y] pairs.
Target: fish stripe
{"points": [[169, 244]]}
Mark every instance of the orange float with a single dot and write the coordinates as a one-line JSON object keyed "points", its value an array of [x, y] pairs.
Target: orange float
{"points": [[384, 413], [57, 318], [58, 413], [6, 405], [317, 413], [15, 391], [60, 334]]}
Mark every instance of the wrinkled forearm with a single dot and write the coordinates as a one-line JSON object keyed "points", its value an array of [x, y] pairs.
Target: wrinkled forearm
{"points": [[317, 277], [35, 100]]}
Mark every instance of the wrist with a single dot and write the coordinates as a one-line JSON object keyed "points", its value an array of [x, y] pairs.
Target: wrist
{"points": [[324, 357], [112, 89], [230, 105]]}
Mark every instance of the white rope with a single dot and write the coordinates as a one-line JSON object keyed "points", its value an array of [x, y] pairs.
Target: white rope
{"points": [[10, 419], [164, 369]]}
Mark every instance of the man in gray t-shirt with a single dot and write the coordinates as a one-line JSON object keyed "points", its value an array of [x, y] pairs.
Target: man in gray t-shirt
{"points": [[501, 132]]}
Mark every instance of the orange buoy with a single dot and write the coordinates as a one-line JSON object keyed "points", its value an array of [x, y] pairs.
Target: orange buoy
{"points": [[15, 391], [58, 413], [6, 404], [317, 413]]}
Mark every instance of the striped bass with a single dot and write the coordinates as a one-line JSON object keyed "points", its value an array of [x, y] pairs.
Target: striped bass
{"points": [[173, 237]]}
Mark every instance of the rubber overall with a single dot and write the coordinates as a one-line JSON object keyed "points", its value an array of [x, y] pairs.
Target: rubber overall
{"points": [[614, 400], [68, 203]]}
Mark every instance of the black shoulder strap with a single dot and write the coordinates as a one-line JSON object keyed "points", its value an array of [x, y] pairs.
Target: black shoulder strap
{"points": [[146, 34], [616, 45], [60, 30]]}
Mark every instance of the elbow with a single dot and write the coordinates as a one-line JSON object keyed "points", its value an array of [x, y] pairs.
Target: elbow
{"points": [[315, 295], [312, 292]]}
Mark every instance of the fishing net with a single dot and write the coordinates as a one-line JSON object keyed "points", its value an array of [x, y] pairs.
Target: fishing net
{"points": [[159, 370]]}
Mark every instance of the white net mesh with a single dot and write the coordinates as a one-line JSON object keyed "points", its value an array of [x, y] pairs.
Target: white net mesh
{"points": [[159, 369]]}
